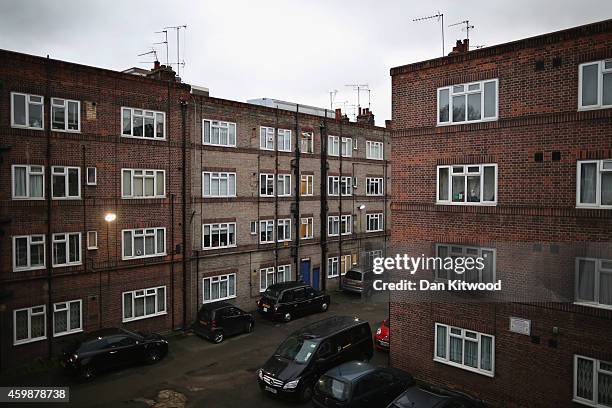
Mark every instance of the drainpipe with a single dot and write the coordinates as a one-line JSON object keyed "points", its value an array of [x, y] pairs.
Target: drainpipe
{"points": [[275, 231], [298, 181], [184, 208], [340, 210], [323, 210], [49, 243]]}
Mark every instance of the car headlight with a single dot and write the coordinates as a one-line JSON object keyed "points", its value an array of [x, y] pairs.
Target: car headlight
{"points": [[260, 374], [291, 384], [378, 331]]}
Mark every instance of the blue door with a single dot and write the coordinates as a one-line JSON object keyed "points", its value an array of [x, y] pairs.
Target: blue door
{"points": [[315, 278], [305, 267]]}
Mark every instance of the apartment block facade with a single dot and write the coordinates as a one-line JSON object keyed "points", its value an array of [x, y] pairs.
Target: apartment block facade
{"points": [[505, 153], [127, 199]]}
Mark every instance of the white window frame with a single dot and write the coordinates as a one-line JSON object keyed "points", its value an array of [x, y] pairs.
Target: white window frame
{"points": [[269, 276], [465, 92], [267, 227], [253, 227], [146, 173], [31, 313], [143, 293], [56, 238], [348, 221], [346, 186], [375, 183], [64, 307], [216, 280], [283, 180], [333, 224], [333, 267], [28, 101], [464, 251], [333, 146], [283, 135], [29, 173], [283, 224], [307, 138], [346, 147], [374, 218], [95, 176], [372, 147], [64, 103], [601, 70], [29, 241], [66, 172], [144, 114], [465, 173], [268, 178], [464, 338], [598, 270], [308, 224], [308, 181], [220, 228], [94, 244], [597, 370], [219, 126], [346, 263], [266, 138], [333, 186], [598, 186], [145, 232], [219, 176]]}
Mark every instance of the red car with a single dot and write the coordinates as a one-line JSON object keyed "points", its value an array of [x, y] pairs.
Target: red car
{"points": [[381, 338]]}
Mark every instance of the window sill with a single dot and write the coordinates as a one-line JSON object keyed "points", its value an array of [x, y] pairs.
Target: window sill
{"points": [[144, 138], [466, 122], [219, 145], [591, 108], [142, 257], [221, 197], [588, 403], [219, 299], [28, 198], [27, 127], [67, 333], [493, 204], [143, 198], [594, 305], [378, 230], [65, 198], [67, 264], [594, 207], [65, 130], [215, 248], [131, 319], [20, 342], [92, 248], [466, 368], [36, 268]]}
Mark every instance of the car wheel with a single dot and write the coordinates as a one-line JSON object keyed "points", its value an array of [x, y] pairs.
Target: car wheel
{"points": [[287, 317], [306, 394], [88, 372], [249, 327], [218, 338], [153, 356], [324, 307]]}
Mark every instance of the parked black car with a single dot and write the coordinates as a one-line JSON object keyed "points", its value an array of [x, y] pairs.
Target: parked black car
{"points": [[433, 397], [359, 385], [291, 299], [221, 319], [358, 281], [110, 349], [309, 352]]}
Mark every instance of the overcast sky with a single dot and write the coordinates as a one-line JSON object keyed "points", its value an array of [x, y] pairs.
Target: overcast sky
{"points": [[291, 50]]}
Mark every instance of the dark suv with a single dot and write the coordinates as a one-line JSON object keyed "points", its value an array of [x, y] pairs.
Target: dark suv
{"points": [[221, 319], [309, 352], [291, 299], [425, 396]]}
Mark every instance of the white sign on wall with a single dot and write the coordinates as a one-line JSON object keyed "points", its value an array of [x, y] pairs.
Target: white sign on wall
{"points": [[520, 326]]}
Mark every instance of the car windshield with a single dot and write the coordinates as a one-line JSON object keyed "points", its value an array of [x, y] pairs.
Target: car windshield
{"points": [[297, 349], [272, 293], [333, 387], [353, 275]]}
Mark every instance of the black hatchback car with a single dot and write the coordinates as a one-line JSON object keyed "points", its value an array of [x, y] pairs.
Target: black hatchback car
{"points": [[359, 385], [288, 300], [309, 352], [110, 349], [432, 397], [218, 320]]}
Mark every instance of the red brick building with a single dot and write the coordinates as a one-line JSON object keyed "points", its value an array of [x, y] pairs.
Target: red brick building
{"points": [[130, 198], [505, 153]]}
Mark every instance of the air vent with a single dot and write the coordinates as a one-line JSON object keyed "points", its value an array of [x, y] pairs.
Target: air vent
{"points": [[556, 156], [538, 157], [539, 65]]}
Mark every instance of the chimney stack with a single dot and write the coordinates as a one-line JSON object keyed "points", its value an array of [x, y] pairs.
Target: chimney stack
{"points": [[365, 116], [338, 113], [162, 72], [461, 47]]}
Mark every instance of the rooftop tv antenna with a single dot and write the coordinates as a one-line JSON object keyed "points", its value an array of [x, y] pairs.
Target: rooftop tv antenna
{"points": [[152, 52], [440, 17], [467, 27], [359, 88], [165, 42], [332, 96], [178, 47]]}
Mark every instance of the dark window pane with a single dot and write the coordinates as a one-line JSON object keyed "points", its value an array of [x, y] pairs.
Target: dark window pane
{"points": [[19, 109], [73, 182], [35, 115], [459, 108], [127, 122], [474, 106], [489, 99], [443, 104], [589, 84], [443, 185], [59, 185]]}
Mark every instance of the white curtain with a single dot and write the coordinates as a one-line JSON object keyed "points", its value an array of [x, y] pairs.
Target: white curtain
{"points": [[588, 179], [486, 352]]}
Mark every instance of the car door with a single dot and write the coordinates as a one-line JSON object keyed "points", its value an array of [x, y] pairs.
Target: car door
{"points": [[302, 304], [368, 391], [287, 303], [314, 300], [232, 320], [391, 387], [120, 352]]}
